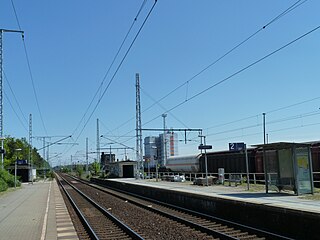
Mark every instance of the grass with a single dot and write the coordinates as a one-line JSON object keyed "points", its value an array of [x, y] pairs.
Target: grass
{"points": [[314, 197]]}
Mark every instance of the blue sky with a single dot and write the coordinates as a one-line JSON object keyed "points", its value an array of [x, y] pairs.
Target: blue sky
{"points": [[71, 45]]}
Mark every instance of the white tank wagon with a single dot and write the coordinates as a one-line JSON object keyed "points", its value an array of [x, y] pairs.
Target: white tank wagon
{"points": [[184, 163]]}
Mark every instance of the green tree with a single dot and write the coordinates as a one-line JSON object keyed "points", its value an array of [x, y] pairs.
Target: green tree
{"points": [[96, 168], [11, 145], [79, 170]]}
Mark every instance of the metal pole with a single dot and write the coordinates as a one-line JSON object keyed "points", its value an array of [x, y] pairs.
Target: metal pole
{"points": [[264, 128], [1, 100], [44, 158], [157, 171], [164, 140], [1, 89], [264, 153], [15, 173], [87, 156], [30, 147], [98, 142], [110, 160], [149, 168], [206, 161], [247, 167]]}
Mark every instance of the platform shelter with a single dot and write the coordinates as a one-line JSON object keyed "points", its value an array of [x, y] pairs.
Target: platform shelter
{"points": [[288, 166]]}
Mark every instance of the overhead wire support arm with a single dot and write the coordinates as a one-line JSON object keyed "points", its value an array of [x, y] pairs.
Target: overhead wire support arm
{"points": [[116, 142], [56, 142], [173, 129]]}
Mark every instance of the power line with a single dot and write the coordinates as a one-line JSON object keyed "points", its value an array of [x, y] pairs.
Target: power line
{"points": [[163, 108], [29, 68], [15, 112], [293, 105], [294, 117], [234, 74], [257, 115], [113, 61], [289, 9], [243, 69], [14, 97], [118, 68]]}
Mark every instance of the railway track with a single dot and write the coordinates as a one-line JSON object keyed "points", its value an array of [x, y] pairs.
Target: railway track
{"points": [[190, 221], [98, 223]]}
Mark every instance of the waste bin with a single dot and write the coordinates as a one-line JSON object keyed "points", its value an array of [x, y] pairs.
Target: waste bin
{"points": [[221, 175]]}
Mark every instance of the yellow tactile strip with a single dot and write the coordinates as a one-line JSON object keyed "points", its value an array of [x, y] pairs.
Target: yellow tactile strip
{"points": [[65, 228]]}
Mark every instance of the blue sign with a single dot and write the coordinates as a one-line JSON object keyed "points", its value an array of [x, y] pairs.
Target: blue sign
{"points": [[237, 146]]}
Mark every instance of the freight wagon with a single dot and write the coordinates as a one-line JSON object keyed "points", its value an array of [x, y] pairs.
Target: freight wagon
{"points": [[235, 162]]}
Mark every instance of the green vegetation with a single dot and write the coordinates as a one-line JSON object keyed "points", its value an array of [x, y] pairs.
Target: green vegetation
{"points": [[95, 168], [79, 170], [12, 154], [315, 196], [6, 180], [11, 145]]}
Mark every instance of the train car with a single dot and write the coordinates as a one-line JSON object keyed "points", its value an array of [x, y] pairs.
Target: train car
{"points": [[183, 163], [232, 162], [315, 152]]}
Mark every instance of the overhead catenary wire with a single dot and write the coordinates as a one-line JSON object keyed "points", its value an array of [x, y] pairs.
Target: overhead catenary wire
{"points": [[118, 68], [309, 114], [258, 115], [163, 108], [240, 71], [14, 97], [20, 120], [232, 75], [29, 69], [111, 65], [282, 14], [271, 131]]}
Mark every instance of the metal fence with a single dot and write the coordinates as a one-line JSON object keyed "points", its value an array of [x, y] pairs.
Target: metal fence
{"points": [[254, 178]]}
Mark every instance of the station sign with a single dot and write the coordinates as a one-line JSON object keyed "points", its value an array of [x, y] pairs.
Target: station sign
{"points": [[237, 146], [201, 147]]}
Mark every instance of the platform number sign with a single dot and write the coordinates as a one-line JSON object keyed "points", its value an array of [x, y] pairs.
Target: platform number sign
{"points": [[236, 146]]}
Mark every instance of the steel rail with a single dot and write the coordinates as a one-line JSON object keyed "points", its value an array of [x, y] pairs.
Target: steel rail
{"points": [[214, 233], [119, 223], [85, 223], [239, 226]]}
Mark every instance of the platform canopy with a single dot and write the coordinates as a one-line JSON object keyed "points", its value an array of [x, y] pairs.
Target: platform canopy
{"points": [[288, 166]]}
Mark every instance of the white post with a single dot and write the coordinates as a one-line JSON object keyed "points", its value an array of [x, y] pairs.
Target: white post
{"points": [[247, 167]]}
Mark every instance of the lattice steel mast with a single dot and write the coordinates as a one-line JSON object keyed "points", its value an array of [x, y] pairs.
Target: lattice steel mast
{"points": [[139, 157], [1, 88]]}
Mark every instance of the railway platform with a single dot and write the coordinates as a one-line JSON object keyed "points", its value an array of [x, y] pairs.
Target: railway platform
{"points": [[35, 211], [281, 213], [235, 193]]}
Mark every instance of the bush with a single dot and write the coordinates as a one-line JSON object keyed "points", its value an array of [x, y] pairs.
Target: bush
{"points": [[3, 185], [8, 178]]}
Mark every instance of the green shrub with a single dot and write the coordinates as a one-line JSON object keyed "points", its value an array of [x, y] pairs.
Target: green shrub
{"points": [[3, 185], [7, 177]]}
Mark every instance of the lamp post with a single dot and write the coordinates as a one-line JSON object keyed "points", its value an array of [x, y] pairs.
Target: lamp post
{"points": [[15, 168]]}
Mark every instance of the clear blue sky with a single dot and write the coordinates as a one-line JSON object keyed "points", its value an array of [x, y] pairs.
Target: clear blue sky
{"points": [[71, 45]]}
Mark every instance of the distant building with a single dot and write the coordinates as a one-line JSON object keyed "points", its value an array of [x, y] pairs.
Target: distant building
{"points": [[156, 152], [107, 158]]}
